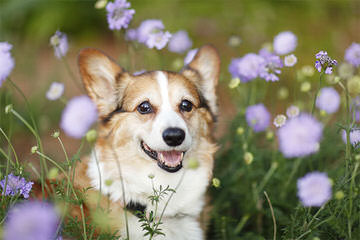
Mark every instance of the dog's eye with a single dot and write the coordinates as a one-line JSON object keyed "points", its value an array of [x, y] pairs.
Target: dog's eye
{"points": [[144, 108], [186, 106]]}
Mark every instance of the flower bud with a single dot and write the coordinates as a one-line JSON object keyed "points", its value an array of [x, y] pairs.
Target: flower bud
{"points": [[56, 134], [283, 93], [305, 86], [339, 195], [8, 108], [353, 85], [193, 163], [240, 130], [234, 83], [108, 182], [34, 149], [248, 158], [53, 173], [91, 136], [100, 4], [216, 182]]}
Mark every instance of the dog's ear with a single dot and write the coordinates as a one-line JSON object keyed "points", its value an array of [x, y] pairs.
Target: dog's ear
{"points": [[101, 76], [204, 71]]}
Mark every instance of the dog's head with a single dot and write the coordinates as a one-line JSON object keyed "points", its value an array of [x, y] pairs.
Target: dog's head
{"points": [[162, 116]]}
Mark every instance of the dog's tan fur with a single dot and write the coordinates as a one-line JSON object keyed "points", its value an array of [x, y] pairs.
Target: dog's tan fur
{"points": [[118, 153]]}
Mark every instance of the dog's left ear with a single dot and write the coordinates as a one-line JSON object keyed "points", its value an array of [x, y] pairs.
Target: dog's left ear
{"points": [[204, 72]]}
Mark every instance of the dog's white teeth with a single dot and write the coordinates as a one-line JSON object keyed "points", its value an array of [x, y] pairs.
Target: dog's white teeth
{"points": [[161, 158], [181, 157]]}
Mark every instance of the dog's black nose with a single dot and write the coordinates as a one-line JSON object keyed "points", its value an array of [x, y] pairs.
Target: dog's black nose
{"points": [[173, 136]]}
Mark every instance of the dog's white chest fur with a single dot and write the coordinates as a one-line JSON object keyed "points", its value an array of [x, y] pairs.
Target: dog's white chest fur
{"points": [[180, 217]]}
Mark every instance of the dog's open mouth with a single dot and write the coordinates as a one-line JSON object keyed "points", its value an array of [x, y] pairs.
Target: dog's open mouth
{"points": [[170, 161]]}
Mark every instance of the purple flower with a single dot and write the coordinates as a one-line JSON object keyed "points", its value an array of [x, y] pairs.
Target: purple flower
{"points": [[300, 136], [15, 185], [328, 100], [60, 44], [180, 42], [258, 117], [354, 136], [118, 14], [158, 40], [55, 91], [190, 56], [6, 61], [148, 27], [324, 61], [270, 67], [355, 107], [246, 68], [78, 116], [314, 189], [137, 73], [131, 34], [352, 54], [150, 32], [31, 220], [285, 42]]}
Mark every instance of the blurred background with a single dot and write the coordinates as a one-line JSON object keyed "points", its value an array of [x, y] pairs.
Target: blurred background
{"points": [[28, 25]]}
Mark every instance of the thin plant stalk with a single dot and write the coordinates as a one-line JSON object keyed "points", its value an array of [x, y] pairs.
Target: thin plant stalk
{"points": [[123, 194], [317, 92], [71, 74]]}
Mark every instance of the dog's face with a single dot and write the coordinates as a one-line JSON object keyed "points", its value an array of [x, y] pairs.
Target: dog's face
{"points": [[160, 117]]}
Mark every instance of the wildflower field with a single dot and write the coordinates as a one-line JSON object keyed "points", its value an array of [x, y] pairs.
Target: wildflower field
{"points": [[288, 162]]}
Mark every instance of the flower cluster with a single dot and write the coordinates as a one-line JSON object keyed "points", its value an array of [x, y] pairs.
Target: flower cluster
{"points": [[60, 44], [324, 62], [314, 189], [354, 136], [151, 33], [118, 14], [300, 136], [258, 117], [266, 64], [13, 185], [6, 61]]}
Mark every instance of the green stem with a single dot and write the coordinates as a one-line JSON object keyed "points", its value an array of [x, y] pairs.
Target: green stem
{"points": [[316, 93], [123, 194], [71, 74], [35, 130], [11, 146]]}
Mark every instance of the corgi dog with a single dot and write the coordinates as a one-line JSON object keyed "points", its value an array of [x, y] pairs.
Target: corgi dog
{"points": [[150, 127]]}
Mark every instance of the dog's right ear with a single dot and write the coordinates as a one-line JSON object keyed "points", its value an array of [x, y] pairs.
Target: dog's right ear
{"points": [[100, 76]]}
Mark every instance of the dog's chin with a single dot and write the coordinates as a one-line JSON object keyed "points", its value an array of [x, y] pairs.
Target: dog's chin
{"points": [[170, 161]]}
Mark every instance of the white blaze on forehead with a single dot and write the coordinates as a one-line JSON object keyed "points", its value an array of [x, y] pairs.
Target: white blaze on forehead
{"points": [[163, 85]]}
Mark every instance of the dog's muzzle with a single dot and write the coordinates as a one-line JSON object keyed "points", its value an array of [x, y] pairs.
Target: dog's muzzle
{"points": [[170, 161]]}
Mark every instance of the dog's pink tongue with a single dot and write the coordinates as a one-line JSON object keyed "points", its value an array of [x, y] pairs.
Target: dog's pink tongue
{"points": [[170, 158]]}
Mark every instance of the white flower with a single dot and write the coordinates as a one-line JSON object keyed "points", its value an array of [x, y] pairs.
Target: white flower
{"points": [[292, 111], [55, 91], [279, 120], [290, 60]]}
